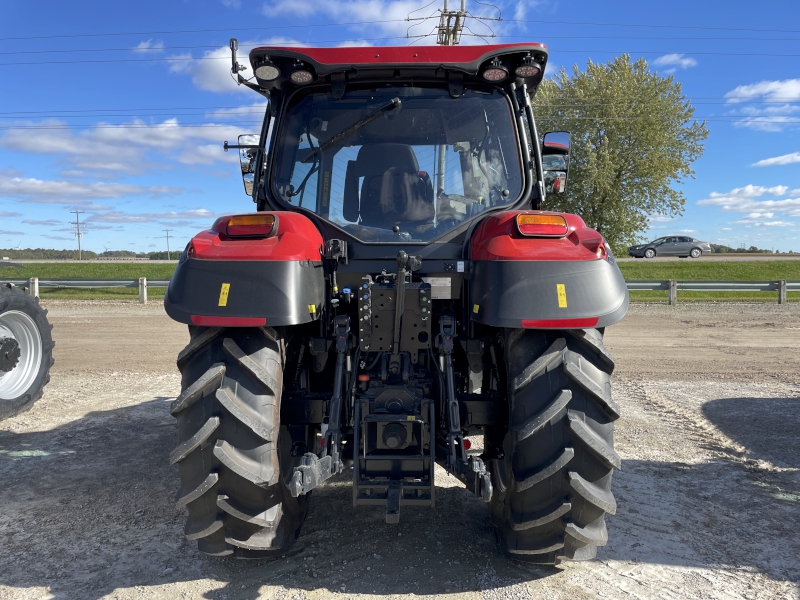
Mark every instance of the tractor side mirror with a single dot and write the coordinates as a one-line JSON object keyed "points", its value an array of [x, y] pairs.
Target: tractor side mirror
{"points": [[248, 150], [555, 161]]}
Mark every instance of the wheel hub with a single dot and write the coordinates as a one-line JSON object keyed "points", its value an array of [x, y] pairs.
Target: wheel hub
{"points": [[9, 354]]}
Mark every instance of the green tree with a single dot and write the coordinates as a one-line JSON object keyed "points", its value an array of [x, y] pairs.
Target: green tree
{"points": [[633, 138]]}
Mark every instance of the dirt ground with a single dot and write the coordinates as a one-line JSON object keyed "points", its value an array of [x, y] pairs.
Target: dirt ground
{"points": [[709, 492]]}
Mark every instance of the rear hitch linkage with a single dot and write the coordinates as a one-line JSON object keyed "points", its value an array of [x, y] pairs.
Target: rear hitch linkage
{"points": [[314, 470], [470, 470]]}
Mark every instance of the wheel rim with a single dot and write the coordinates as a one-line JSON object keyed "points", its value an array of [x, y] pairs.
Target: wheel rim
{"points": [[23, 329], [695, 253], [649, 254]]}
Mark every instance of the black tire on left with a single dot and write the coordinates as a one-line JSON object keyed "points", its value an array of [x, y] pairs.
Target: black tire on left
{"points": [[234, 455], [15, 300]]}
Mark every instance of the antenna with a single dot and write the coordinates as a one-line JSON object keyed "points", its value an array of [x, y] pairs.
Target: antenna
{"points": [[78, 232], [167, 230]]}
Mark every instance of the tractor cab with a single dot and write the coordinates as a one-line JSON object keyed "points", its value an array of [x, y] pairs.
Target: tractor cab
{"points": [[400, 145]]}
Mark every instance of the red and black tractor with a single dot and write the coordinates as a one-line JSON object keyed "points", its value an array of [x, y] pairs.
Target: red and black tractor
{"points": [[399, 288]]}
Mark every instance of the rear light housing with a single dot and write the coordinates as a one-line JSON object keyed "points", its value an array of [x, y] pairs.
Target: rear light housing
{"points": [[542, 225], [261, 225]]}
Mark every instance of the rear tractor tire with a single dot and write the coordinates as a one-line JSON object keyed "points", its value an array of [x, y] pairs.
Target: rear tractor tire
{"points": [[553, 482], [26, 351], [234, 456]]}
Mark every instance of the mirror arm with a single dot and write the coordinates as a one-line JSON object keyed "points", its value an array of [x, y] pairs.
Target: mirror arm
{"points": [[537, 153], [242, 81], [226, 146]]}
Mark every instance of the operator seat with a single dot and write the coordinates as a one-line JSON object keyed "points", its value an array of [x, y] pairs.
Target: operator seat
{"points": [[394, 191]]}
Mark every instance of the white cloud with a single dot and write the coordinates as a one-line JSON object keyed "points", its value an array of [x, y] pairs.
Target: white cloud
{"points": [[784, 159], [232, 3], [787, 90], [149, 47], [212, 71], [127, 148], [30, 189], [759, 212], [727, 229], [3, 232], [660, 218], [521, 10], [766, 118], [4, 213], [674, 62], [116, 216], [687, 231], [764, 223], [389, 18], [47, 222]]}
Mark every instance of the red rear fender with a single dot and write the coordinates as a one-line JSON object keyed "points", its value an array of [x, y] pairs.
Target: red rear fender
{"points": [[296, 238], [497, 238]]}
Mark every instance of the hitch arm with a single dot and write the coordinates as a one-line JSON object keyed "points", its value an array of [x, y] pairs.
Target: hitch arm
{"points": [[470, 470], [314, 470], [456, 453]]}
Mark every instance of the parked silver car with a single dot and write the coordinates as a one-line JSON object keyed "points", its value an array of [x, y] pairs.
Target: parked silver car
{"points": [[675, 245]]}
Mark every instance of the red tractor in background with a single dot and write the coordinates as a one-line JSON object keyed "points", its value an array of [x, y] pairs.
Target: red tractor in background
{"points": [[397, 289]]}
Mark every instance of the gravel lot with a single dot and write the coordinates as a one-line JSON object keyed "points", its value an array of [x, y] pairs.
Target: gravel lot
{"points": [[709, 493]]}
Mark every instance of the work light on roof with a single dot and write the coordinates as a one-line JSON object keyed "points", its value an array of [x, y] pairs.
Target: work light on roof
{"points": [[301, 76], [267, 71], [495, 72], [528, 68]]}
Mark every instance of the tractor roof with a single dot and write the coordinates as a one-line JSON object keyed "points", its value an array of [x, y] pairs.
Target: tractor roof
{"points": [[393, 62]]}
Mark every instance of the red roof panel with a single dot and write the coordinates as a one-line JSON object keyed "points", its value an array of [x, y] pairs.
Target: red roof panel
{"points": [[398, 55]]}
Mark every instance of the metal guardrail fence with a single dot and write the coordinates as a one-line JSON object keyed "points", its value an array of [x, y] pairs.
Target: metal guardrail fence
{"points": [[672, 286]]}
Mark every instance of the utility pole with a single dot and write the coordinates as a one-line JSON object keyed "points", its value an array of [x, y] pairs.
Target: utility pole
{"points": [[167, 230], [78, 232], [451, 23]]}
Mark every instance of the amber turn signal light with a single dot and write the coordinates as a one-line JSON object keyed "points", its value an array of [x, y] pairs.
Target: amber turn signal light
{"points": [[542, 225], [251, 226]]}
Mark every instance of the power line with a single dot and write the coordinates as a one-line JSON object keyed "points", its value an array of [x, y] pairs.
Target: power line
{"points": [[237, 28], [136, 126], [182, 31], [710, 118], [649, 26], [260, 111], [44, 113], [560, 51], [548, 37]]}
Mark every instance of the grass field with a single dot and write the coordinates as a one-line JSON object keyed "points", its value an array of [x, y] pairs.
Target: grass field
{"points": [[711, 271], [93, 271], [639, 270], [756, 270]]}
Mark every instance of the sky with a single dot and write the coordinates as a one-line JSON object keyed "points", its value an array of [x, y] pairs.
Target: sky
{"points": [[119, 110]]}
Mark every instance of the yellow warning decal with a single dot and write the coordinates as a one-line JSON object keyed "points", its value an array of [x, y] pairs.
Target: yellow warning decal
{"points": [[475, 308], [561, 290], [312, 308], [223, 294], [411, 418]]}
